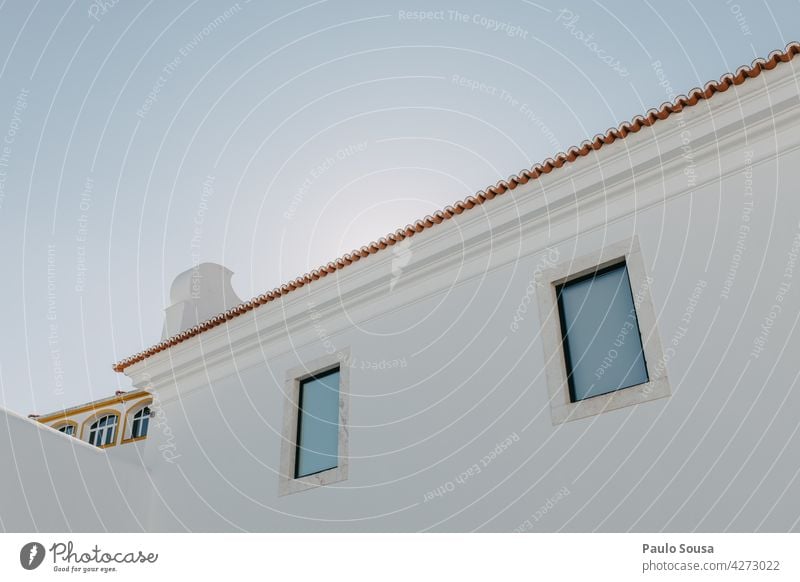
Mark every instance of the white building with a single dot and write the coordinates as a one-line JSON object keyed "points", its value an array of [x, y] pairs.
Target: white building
{"points": [[604, 342]]}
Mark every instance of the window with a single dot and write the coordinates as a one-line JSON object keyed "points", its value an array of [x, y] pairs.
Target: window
{"points": [[103, 431], [314, 447], [598, 329], [140, 422], [68, 429], [318, 424], [600, 333]]}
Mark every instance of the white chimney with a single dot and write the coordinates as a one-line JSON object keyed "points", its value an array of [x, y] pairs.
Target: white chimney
{"points": [[197, 295]]}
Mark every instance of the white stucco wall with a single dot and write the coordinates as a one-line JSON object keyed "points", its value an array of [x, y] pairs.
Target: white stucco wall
{"points": [[719, 453], [53, 482]]}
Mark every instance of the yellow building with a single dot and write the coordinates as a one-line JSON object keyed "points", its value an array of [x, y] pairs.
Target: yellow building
{"points": [[116, 420]]}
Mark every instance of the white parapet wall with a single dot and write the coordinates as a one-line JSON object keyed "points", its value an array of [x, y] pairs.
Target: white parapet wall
{"points": [[54, 482]]}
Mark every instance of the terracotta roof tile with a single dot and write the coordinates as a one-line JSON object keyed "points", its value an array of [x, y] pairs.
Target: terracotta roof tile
{"points": [[623, 130]]}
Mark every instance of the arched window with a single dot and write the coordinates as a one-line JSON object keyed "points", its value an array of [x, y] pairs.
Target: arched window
{"points": [[141, 420], [67, 429], [103, 430]]}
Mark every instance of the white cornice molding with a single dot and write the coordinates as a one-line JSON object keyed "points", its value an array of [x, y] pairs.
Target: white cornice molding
{"points": [[500, 232]]}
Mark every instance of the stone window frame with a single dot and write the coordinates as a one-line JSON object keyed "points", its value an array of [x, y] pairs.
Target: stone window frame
{"points": [[562, 409], [288, 483]]}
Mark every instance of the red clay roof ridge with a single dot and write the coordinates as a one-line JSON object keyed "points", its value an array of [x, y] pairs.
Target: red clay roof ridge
{"points": [[613, 134]]}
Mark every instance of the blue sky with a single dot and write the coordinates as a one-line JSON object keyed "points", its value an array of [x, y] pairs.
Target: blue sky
{"points": [[288, 133]]}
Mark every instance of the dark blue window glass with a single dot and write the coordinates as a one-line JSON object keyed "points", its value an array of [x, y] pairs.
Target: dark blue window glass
{"points": [[102, 431], [318, 424], [600, 331], [141, 420]]}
